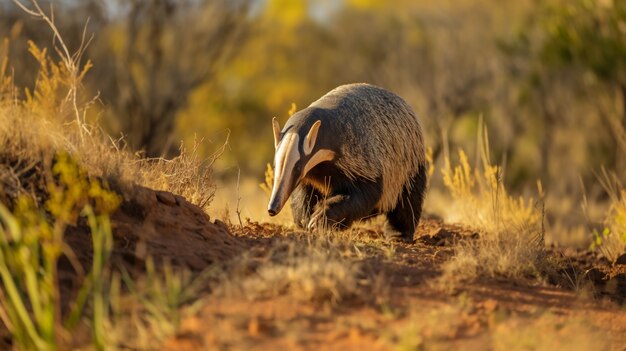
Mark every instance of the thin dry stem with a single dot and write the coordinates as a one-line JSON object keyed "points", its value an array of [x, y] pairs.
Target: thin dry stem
{"points": [[72, 62]]}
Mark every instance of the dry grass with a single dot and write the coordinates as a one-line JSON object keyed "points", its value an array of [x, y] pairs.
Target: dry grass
{"points": [[317, 270], [154, 306], [510, 243], [324, 266], [612, 241], [34, 129], [505, 256]]}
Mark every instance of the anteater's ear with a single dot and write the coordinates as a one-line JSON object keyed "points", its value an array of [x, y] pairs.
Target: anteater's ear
{"points": [[309, 142], [276, 127]]}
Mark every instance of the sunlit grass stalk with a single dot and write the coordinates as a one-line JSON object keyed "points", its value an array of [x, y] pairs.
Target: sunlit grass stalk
{"points": [[510, 241], [30, 307], [162, 297], [94, 284], [612, 241]]}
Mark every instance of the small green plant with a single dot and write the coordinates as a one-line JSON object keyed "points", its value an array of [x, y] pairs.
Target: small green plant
{"points": [[612, 241], [31, 243], [156, 304], [28, 288]]}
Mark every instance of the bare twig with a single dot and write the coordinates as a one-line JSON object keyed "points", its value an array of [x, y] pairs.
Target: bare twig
{"points": [[542, 198], [70, 61], [238, 210]]}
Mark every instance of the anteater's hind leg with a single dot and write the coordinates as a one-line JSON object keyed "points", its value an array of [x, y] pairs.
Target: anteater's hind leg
{"points": [[402, 220], [304, 200]]}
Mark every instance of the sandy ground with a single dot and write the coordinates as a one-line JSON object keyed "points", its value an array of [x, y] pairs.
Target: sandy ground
{"points": [[400, 302]]}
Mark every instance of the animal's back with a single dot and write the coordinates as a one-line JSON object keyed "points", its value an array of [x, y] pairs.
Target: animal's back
{"points": [[382, 136]]}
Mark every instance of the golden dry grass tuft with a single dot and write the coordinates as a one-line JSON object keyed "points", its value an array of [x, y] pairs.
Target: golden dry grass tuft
{"points": [[510, 241], [314, 269]]}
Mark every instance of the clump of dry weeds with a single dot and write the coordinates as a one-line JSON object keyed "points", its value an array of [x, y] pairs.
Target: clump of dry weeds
{"points": [[305, 272], [510, 243], [612, 241], [51, 118]]}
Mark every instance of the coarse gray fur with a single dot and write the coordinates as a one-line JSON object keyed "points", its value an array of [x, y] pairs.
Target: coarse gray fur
{"points": [[380, 136]]}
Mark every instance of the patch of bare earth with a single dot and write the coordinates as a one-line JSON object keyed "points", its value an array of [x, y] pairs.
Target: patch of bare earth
{"points": [[410, 311]]}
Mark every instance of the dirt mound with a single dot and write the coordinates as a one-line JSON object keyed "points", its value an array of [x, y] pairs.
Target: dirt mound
{"points": [[171, 227], [166, 226], [155, 224]]}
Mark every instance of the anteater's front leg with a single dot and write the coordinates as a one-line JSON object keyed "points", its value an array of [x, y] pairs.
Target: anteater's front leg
{"points": [[340, 211], [304, 200]]}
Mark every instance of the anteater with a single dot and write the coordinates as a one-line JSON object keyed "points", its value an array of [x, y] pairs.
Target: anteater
{"points": [[355, 153]]}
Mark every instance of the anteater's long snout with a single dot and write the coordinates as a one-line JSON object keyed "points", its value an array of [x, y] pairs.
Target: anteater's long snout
{"points": [[273, 208], [280, 193]]}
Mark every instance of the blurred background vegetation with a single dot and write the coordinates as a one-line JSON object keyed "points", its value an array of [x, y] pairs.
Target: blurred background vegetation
{"points": [[547, 77]]}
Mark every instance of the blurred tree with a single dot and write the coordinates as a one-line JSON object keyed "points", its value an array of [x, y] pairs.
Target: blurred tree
{"points": [[161, 51], [421, 53], [165, 64], [563, 109], [72, 17], [284, 60], [412, 49], [541, 88], [591, 35], [149, 56]]}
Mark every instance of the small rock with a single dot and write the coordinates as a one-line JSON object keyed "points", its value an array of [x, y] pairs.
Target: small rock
{"points": [[180, 199], [621, 260], [166, 198], [142, 197], [441, 237], [221, 224], [595, 275]]}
